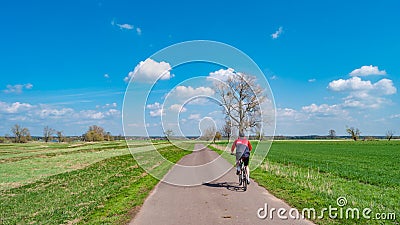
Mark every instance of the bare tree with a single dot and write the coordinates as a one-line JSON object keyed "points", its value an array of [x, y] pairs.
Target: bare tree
{"points": [[169, 133], [241, 97], [47, 133], [226, 129], [60, 136], [259, 135], [208, 133], [354, 133], [21, 134], [389, 134], [332, 134]]}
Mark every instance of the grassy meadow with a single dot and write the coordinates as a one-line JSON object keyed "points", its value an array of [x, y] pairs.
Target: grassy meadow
{"points": [[82, 183], [314, 174]]}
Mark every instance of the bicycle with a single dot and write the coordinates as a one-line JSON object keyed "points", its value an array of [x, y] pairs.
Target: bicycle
{"points": [[242, 174]]}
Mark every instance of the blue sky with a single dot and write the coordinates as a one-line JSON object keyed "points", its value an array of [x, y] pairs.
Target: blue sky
{"points": [[330, 64]]}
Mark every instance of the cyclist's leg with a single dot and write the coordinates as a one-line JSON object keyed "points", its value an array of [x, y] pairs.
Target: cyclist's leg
{"points": [[238, 156], [246, 164]]}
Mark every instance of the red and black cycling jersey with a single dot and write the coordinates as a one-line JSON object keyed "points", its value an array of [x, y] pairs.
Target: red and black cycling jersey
{"points": [[243, 147]]}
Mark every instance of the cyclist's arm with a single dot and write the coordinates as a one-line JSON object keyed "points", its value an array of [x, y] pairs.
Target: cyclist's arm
{"points": [[233, 146]]}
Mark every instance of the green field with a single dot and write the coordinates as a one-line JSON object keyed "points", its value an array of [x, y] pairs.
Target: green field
{"points": [[313, 174], [92, 183], [85, 183]]}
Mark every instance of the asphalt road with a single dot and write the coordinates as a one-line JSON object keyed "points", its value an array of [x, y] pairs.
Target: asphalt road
{"points": [[221, 201]]}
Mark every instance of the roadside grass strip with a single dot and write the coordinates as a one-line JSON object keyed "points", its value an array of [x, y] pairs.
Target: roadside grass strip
{"points": [[108, 191]]}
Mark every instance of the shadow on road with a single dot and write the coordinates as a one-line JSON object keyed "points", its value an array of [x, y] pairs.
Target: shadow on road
{"points": [[232, 186]]}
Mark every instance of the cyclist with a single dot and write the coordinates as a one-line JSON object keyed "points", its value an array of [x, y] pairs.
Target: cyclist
{"points": [[243, 148]]}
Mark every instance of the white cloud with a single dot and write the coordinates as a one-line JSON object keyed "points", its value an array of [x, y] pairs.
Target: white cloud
{"points": [[288, 114], [28, 86], [91, 114], [364, 94], [15, 107], [113, 112], [274, 77], [106, 76], [312, 80], [194, 117], [384, 86], [48, 112], [155, 105], [138, 31], [17, 88], [157, 112], [324, 110], [108, 105], [97, 115], [199, 101], [352, 84], [222, 74], [366, 71], [177, 108], [149, 71], [395, 116], [277, 33], [156, 109], [125, 26], [189, 91]]}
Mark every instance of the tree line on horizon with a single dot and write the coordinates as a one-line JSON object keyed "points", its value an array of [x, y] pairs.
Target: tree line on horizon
{"points": [[21, 134]]}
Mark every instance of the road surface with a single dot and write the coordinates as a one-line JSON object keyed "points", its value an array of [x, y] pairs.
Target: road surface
{"points": [[218, 202]]}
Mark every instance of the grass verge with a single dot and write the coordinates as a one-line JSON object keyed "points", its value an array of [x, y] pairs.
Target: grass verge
{"points": [[104, 192]]}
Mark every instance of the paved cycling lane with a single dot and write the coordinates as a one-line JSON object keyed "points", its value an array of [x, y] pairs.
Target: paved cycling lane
{"points": [[217, 202]]}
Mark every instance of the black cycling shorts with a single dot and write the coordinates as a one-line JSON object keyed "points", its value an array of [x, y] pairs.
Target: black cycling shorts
{"points": [[245, 161]]}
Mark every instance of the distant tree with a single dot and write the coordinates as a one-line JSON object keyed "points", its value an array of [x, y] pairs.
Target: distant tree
{"points": [[332, 134], [47, 133], [21, 134], [226, 130], [60, 136], [7, 138], [118, 137], [208, 133], [108, 137], [259, 135], [389, 134], [169, 133], [95, 133], [217, 136], [354, 133], [2, 139]]}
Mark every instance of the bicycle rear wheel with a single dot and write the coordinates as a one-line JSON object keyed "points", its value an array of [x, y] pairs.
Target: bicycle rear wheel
{"points": [[244, 178]]}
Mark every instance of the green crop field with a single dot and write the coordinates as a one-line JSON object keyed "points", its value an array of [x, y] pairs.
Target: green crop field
{"points": [[85, 183], [314, 174]]}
